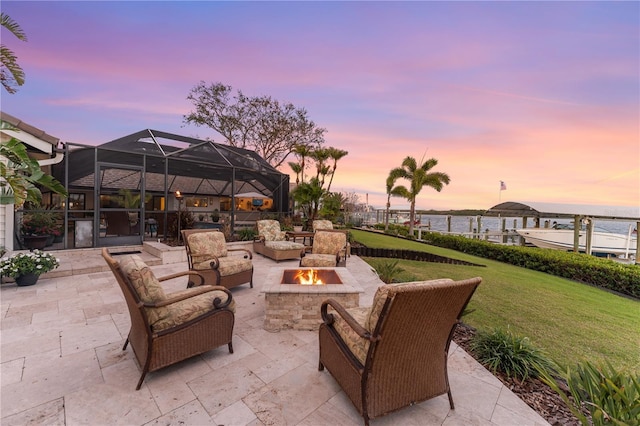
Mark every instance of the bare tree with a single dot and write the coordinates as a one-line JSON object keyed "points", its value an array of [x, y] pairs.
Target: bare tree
{"points": [[262, 124]]}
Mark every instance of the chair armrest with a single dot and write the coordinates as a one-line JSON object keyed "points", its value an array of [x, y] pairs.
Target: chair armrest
{"points": [[259, 239], [196, 291], [247, 252], [181, 274], [328, 319]]}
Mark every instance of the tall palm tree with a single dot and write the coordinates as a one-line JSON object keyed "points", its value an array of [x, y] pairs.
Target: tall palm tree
{"points": [[335, 154], [297, 169], [302, 151], [418, 177], [321, 155], [11, 74]]}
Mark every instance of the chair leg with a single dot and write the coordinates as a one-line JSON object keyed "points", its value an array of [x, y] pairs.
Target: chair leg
{"points": [[230, 347], [126, 343], [450, 400], [144, 373], [320, 366]]}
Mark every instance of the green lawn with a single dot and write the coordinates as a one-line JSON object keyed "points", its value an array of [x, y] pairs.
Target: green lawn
{"points": [[572, 322]]}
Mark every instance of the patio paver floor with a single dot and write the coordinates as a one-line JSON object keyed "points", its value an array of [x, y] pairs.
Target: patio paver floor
{"points": [[62, 364]]}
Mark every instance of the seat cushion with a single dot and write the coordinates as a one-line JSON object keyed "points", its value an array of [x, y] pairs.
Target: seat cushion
{"points": [[318, 260], [188, 309], [356, 344], [207, 243], [231, 265], [283, 245]]}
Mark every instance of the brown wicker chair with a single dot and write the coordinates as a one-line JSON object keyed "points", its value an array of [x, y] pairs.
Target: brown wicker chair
{"points": [[273, 243], [168, 328], [207, 253], [327, 225], [395, 353], [329, 249]]}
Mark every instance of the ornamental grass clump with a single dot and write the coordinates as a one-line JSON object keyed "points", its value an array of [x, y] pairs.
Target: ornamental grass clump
{"points": [[514, 356], [33, 262], [598, 395]]}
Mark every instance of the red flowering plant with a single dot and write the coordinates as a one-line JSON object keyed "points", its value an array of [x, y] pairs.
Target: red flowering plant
{"points": [[39, 223]]}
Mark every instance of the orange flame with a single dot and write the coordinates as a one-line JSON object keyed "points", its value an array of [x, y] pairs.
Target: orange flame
{"points": [[309, 277]]}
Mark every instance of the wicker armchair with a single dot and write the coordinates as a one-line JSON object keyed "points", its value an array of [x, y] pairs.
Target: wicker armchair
{"points": [[273, 243], [394, 354], [207, 253], [168, 328], [329, 249]]}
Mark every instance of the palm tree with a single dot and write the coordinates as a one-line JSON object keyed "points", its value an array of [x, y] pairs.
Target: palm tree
{"points": [[302, 151], [391, 181], [418, 177], [335, 154], [11, 74], [297, 169], [321, 155]]}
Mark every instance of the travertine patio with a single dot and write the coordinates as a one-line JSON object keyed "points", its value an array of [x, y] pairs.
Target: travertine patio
{"points": [[63, 364]]}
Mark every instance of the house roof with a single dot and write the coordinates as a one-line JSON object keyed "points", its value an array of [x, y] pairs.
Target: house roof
{"points": [[554, 210], [28, 134]]}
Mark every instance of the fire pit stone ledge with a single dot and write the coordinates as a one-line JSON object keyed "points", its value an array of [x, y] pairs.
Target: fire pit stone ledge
{"points": [[298, 306]]}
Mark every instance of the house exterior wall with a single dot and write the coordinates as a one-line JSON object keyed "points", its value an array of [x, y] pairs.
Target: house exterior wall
{"points": [[6, 226]]}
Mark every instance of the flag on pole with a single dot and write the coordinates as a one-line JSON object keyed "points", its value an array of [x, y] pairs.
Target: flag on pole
{"points": [[503, 186]]}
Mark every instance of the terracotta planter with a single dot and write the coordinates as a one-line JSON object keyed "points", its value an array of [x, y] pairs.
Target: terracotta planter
{"points": [[27, 279], [35, 241]]}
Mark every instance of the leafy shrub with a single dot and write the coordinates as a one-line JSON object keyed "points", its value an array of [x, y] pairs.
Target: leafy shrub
{"points": [[388, 270], [514, 356], [609, 396], [246, 234], [623, 278]]}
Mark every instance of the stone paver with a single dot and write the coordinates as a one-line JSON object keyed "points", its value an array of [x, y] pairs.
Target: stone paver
{"points": [[62, 363]]}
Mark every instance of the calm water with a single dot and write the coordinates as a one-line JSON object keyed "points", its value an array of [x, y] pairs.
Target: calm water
{"points": [[462, 224]]}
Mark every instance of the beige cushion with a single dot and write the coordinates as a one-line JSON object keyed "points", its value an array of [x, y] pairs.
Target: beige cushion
{"points": [[207, 244], [318, 260], [188, 309], [227, 265], [283, 245], [357, 345], [270, 230]]}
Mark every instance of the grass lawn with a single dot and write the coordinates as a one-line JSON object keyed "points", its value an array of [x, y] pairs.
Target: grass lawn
{"points": [[570, 321]]}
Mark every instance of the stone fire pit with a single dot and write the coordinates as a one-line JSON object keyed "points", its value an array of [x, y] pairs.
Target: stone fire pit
{"points": [[298, 306]]}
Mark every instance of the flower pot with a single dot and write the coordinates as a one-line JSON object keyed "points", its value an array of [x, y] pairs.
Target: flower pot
{"points": [[27, 279], [50, 239], [35, 241]]}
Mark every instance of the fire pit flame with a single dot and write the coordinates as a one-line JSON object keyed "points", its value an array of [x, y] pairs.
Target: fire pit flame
{"points": [[308, 277]]}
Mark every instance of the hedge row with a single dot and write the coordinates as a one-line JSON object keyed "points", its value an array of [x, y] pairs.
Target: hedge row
{"points": [[421, 256], [604, 273]]}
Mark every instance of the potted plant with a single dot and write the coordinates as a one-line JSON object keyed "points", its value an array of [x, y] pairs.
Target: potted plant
{"points": [[36, 229], [215, 216], [27, 267]]}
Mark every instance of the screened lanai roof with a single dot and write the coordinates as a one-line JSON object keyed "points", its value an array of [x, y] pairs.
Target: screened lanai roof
{"points": [[191, 165], [554, 210]]}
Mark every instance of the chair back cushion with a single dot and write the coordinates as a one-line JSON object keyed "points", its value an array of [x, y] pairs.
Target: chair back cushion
{"points": [[322, 224], [270, 230], [145, 284], [328, 242], [207, 244]]}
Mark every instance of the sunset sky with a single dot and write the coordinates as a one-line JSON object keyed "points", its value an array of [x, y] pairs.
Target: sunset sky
{"points": [[544, 96]]}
